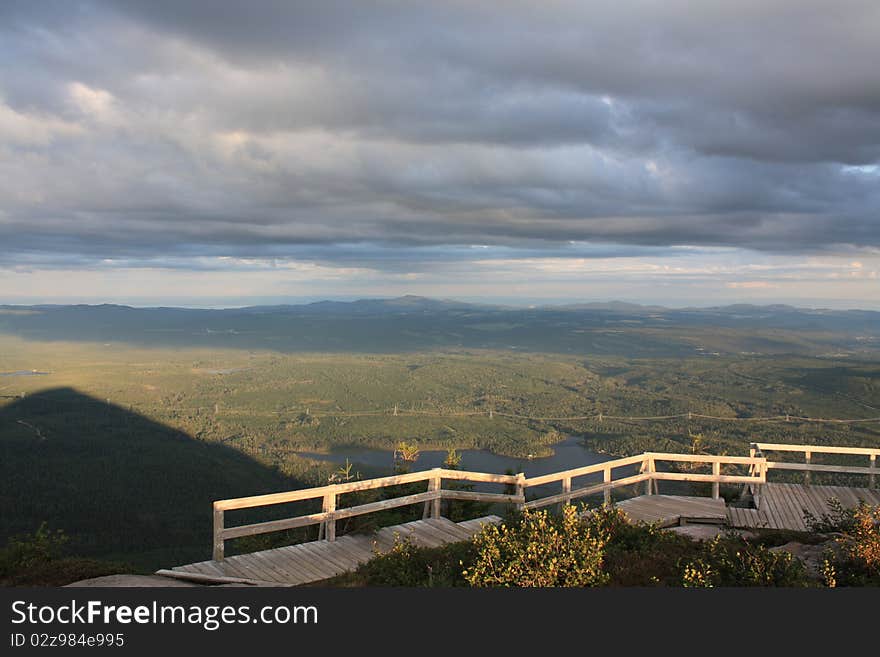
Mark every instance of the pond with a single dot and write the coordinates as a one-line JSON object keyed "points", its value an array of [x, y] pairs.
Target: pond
{"points": [[568, 454]]}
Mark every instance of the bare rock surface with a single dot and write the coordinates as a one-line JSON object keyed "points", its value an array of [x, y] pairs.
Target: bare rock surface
{"points": [[812, 556], [699, 532]]}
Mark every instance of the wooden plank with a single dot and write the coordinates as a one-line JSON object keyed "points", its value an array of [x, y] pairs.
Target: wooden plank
{"points": [[320, 560], [321, 491], [264, 570], [233, 567], [324, 556], [230, 570], [211, 568], [203, 567], [704, 458], [456, 533], [688, 476], [584, 470], [583, 492], [481, 497], [817, 467], [813, 500], [356, 551], [208, 579], [475, 526], [274, 525], [455, 528], [293, 573], [392, 534], [432, 508], [478, 476], [272, 571], [243, 567], [285, 567], [783, 508], [340, 555], [768, 506], [435, 533], [795, 495], [219, 545], [421, 531], [783, 447], [302, 561], [393, 503], [383, 540], [802, 499]]}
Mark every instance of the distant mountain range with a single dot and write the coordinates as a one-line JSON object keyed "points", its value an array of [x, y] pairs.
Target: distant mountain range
{"points": [[415, 323]]}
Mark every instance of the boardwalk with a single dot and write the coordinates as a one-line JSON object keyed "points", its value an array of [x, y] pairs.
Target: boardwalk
{"points": [[776, 506], [320, 560], [668, 510], [783, 505]]}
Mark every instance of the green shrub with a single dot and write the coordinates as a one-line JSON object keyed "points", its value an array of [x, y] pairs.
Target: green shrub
{"points": [[29, 550], [639, 554], [539, 550], [409, 565], [856, 561], [840, 519], [731, 561]]}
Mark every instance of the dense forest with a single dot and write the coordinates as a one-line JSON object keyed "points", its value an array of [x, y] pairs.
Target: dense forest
{"points": [[124, 445]]}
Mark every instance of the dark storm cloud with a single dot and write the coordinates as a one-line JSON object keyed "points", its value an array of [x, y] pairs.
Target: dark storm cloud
{"points": [[138, 130]]}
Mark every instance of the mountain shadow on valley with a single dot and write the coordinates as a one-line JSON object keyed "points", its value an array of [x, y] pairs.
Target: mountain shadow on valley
{"points": [[120, 485]]}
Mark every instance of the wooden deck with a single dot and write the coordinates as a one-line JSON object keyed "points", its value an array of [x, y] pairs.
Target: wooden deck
{"points": [[783, 505], [669, 510], [320, 560], [780, 506]]}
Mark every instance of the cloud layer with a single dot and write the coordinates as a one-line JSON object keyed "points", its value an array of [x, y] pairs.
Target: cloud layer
{"points": [[397, 137]]}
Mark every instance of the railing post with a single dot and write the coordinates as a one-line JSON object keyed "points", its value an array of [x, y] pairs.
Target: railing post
{"points": [[330, 523], [761, 470], [809, 456], [520, 489], [436, 484], [606, 478], [218, 534], [716, 485], [873, 466], [650, 487], [566, 488]]}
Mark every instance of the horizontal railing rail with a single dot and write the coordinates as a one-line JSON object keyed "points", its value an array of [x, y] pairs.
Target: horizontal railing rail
{"points": [[758, 449]]}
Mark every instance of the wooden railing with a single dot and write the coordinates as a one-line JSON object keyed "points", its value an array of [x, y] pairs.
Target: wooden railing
{"points": [[758, 449], [435, 493], [329, 514]]}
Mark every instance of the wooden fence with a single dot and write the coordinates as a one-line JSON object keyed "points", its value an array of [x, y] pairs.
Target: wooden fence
{"points": [[758, 450], [518, 484]]}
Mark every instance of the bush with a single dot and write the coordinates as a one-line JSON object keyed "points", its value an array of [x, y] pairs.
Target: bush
{"points": [[840, 519], [35, 560], [856, 561], [638, 554], [540, 550], [731, 561], [409, 565], [29, 550]]}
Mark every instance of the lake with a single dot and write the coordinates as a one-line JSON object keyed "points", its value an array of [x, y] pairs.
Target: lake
{"points": [[568, 454]]}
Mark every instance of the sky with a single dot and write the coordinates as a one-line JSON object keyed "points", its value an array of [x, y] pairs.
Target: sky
{"points": [[227, 153]]}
